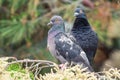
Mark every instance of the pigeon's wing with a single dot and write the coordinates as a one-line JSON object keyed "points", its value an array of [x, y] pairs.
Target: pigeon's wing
{"points": [[70, 50]]}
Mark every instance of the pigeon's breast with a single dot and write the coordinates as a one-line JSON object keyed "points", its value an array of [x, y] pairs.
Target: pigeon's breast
{"points": [[51, 42]]}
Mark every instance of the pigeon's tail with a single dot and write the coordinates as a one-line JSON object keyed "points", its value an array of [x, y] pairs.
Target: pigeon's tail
{"points": [[90, 55], [80, 61], [87, 63], [83, 54]]}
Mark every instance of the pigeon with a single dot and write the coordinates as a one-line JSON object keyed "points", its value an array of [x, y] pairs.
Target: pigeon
{"points": [[84, 35], [63, 47]]}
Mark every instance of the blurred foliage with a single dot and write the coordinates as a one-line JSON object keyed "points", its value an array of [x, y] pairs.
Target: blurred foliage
{"points": [[19, 21], [105, 21], [23, 29], [113, 61]]}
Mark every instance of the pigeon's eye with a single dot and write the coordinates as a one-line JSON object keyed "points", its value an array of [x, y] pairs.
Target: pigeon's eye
{"points": [[77, 10], [57, 19], [52, 20]]}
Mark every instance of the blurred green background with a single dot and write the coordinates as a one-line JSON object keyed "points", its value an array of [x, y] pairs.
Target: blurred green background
{"points": [[23, 30]]}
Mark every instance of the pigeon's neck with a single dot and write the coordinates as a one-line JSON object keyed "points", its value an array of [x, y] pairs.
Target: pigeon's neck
{"points": [[57, 28], [81, 22]]}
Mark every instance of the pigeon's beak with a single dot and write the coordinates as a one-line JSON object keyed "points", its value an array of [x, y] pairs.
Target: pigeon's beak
{"points": [[50, 23], [76, 14]]}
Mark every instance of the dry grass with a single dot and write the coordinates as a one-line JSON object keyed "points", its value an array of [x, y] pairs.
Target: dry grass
{"points": [[70, 73], [12, 75]]}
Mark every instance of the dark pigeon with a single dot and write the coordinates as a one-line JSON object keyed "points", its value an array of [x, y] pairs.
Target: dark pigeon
{"points": [[62, 47], [84, 35]]}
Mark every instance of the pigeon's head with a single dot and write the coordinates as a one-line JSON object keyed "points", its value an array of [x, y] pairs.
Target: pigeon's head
{"points": [[78, 11], [55, 20], [57, 24]]}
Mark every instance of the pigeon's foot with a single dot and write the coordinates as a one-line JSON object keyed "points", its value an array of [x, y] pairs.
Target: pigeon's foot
{"points": [[63, 66]]}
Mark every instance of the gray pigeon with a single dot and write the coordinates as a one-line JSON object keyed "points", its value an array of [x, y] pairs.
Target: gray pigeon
{"points": [[62, 47], [84, 35]]}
